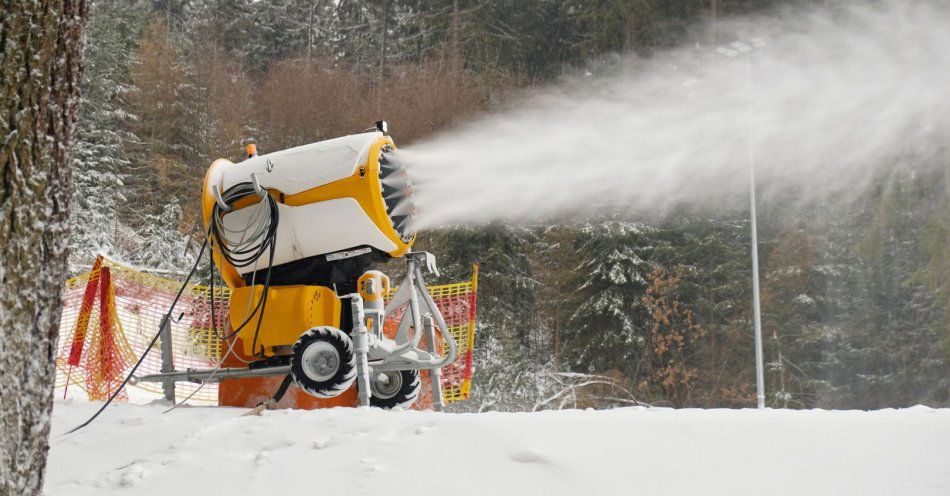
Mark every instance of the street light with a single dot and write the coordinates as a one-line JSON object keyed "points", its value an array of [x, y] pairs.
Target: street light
{"points": [[745, 50]]}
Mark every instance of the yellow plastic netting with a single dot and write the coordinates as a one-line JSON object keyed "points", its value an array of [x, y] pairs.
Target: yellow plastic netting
{"points": [[111, 313]]}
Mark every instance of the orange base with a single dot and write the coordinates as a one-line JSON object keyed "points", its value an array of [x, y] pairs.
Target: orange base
{"points": [[251, 391]]}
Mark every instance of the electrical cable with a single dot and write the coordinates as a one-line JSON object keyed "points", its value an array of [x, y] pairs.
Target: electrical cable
{"points": [[245, 252], [248, 312], [214, 330], [248, 250], [165, 321], [216, 367]]}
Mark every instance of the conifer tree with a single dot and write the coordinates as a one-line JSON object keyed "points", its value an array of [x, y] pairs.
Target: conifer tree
{"points": [[102, 164], [607, 329]]}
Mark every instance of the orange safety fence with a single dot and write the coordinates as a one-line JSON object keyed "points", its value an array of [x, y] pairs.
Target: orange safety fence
{"points": [[111, 314]]}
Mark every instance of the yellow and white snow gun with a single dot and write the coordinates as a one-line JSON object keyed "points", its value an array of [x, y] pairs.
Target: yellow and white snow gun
{"points": [[295, 234]]}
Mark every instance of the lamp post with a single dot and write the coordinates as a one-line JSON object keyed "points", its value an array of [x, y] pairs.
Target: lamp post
{"points": [[745, 50]]}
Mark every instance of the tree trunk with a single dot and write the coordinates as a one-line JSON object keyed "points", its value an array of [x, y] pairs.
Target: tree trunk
{"points": [[384, 40], [630, 29], [456, 55], [40, 50]]}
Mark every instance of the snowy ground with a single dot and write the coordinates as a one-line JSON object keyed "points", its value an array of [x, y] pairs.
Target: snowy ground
{"points": [[134, 449]]}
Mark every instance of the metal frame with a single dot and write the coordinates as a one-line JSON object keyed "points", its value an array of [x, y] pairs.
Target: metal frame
{"points": [[374, 351], [377, 353], [213, 375]]}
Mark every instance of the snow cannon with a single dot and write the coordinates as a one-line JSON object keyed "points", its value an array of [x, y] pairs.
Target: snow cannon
{"points": [[345, 199], [295, 235]]}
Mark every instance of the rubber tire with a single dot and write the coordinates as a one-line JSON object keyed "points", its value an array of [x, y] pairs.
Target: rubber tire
{"points": [[406, 395], [345, 374]]}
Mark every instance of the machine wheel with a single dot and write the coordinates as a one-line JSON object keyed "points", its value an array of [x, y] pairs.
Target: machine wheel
{"points": [[396, 388], [323, 363]]}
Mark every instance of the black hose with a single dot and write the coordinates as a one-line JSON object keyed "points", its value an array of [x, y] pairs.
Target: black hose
{"points": [[249, 256]]}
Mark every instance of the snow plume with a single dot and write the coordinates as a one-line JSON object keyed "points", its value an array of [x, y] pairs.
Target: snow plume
{"points": [[836, 96]]}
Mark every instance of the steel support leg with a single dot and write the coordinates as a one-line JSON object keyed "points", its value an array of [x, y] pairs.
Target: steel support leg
{"points": [[435, 374], [360, 349]]}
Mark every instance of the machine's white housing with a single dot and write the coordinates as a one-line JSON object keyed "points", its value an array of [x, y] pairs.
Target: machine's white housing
{"points": [[299, 169], [313, 229]]}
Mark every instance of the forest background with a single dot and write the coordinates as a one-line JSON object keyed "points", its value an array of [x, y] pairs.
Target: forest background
{"points": [[615, 309]]}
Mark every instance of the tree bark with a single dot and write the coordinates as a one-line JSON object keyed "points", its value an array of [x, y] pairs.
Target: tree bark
{"points": [[40, 52]]}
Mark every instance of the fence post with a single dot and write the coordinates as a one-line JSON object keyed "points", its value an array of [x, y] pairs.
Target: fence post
{"points": [[168, 360]]}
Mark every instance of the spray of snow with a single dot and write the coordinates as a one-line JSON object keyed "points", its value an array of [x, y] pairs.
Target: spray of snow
{"points": [[835, 96]]}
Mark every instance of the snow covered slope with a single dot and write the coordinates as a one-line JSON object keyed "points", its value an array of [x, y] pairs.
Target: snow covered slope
{"points": [[134, 449]]}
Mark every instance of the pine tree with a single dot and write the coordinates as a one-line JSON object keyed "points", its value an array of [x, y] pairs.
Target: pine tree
{"points": [[608, 330], [884, 348], [227, 24], [793, 303], [287, 28], [356, 26], [163, 246], [506, 284], [102, 165]]}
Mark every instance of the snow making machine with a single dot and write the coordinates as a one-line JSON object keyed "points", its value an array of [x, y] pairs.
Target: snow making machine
{"points": [[295, 235]]}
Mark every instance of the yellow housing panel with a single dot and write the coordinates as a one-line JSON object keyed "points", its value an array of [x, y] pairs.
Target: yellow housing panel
{"points": [[290, 311]]}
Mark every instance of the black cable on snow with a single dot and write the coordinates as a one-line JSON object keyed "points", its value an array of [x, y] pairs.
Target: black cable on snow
{"points": [[165, 320]]}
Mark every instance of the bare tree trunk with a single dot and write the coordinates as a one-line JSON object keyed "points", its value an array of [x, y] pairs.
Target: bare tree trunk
{"points": [[456, 55], [40, 51], [557, 336], [310, 33], [384, 40], [630, 29], [714, 21], [782, 394]]}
